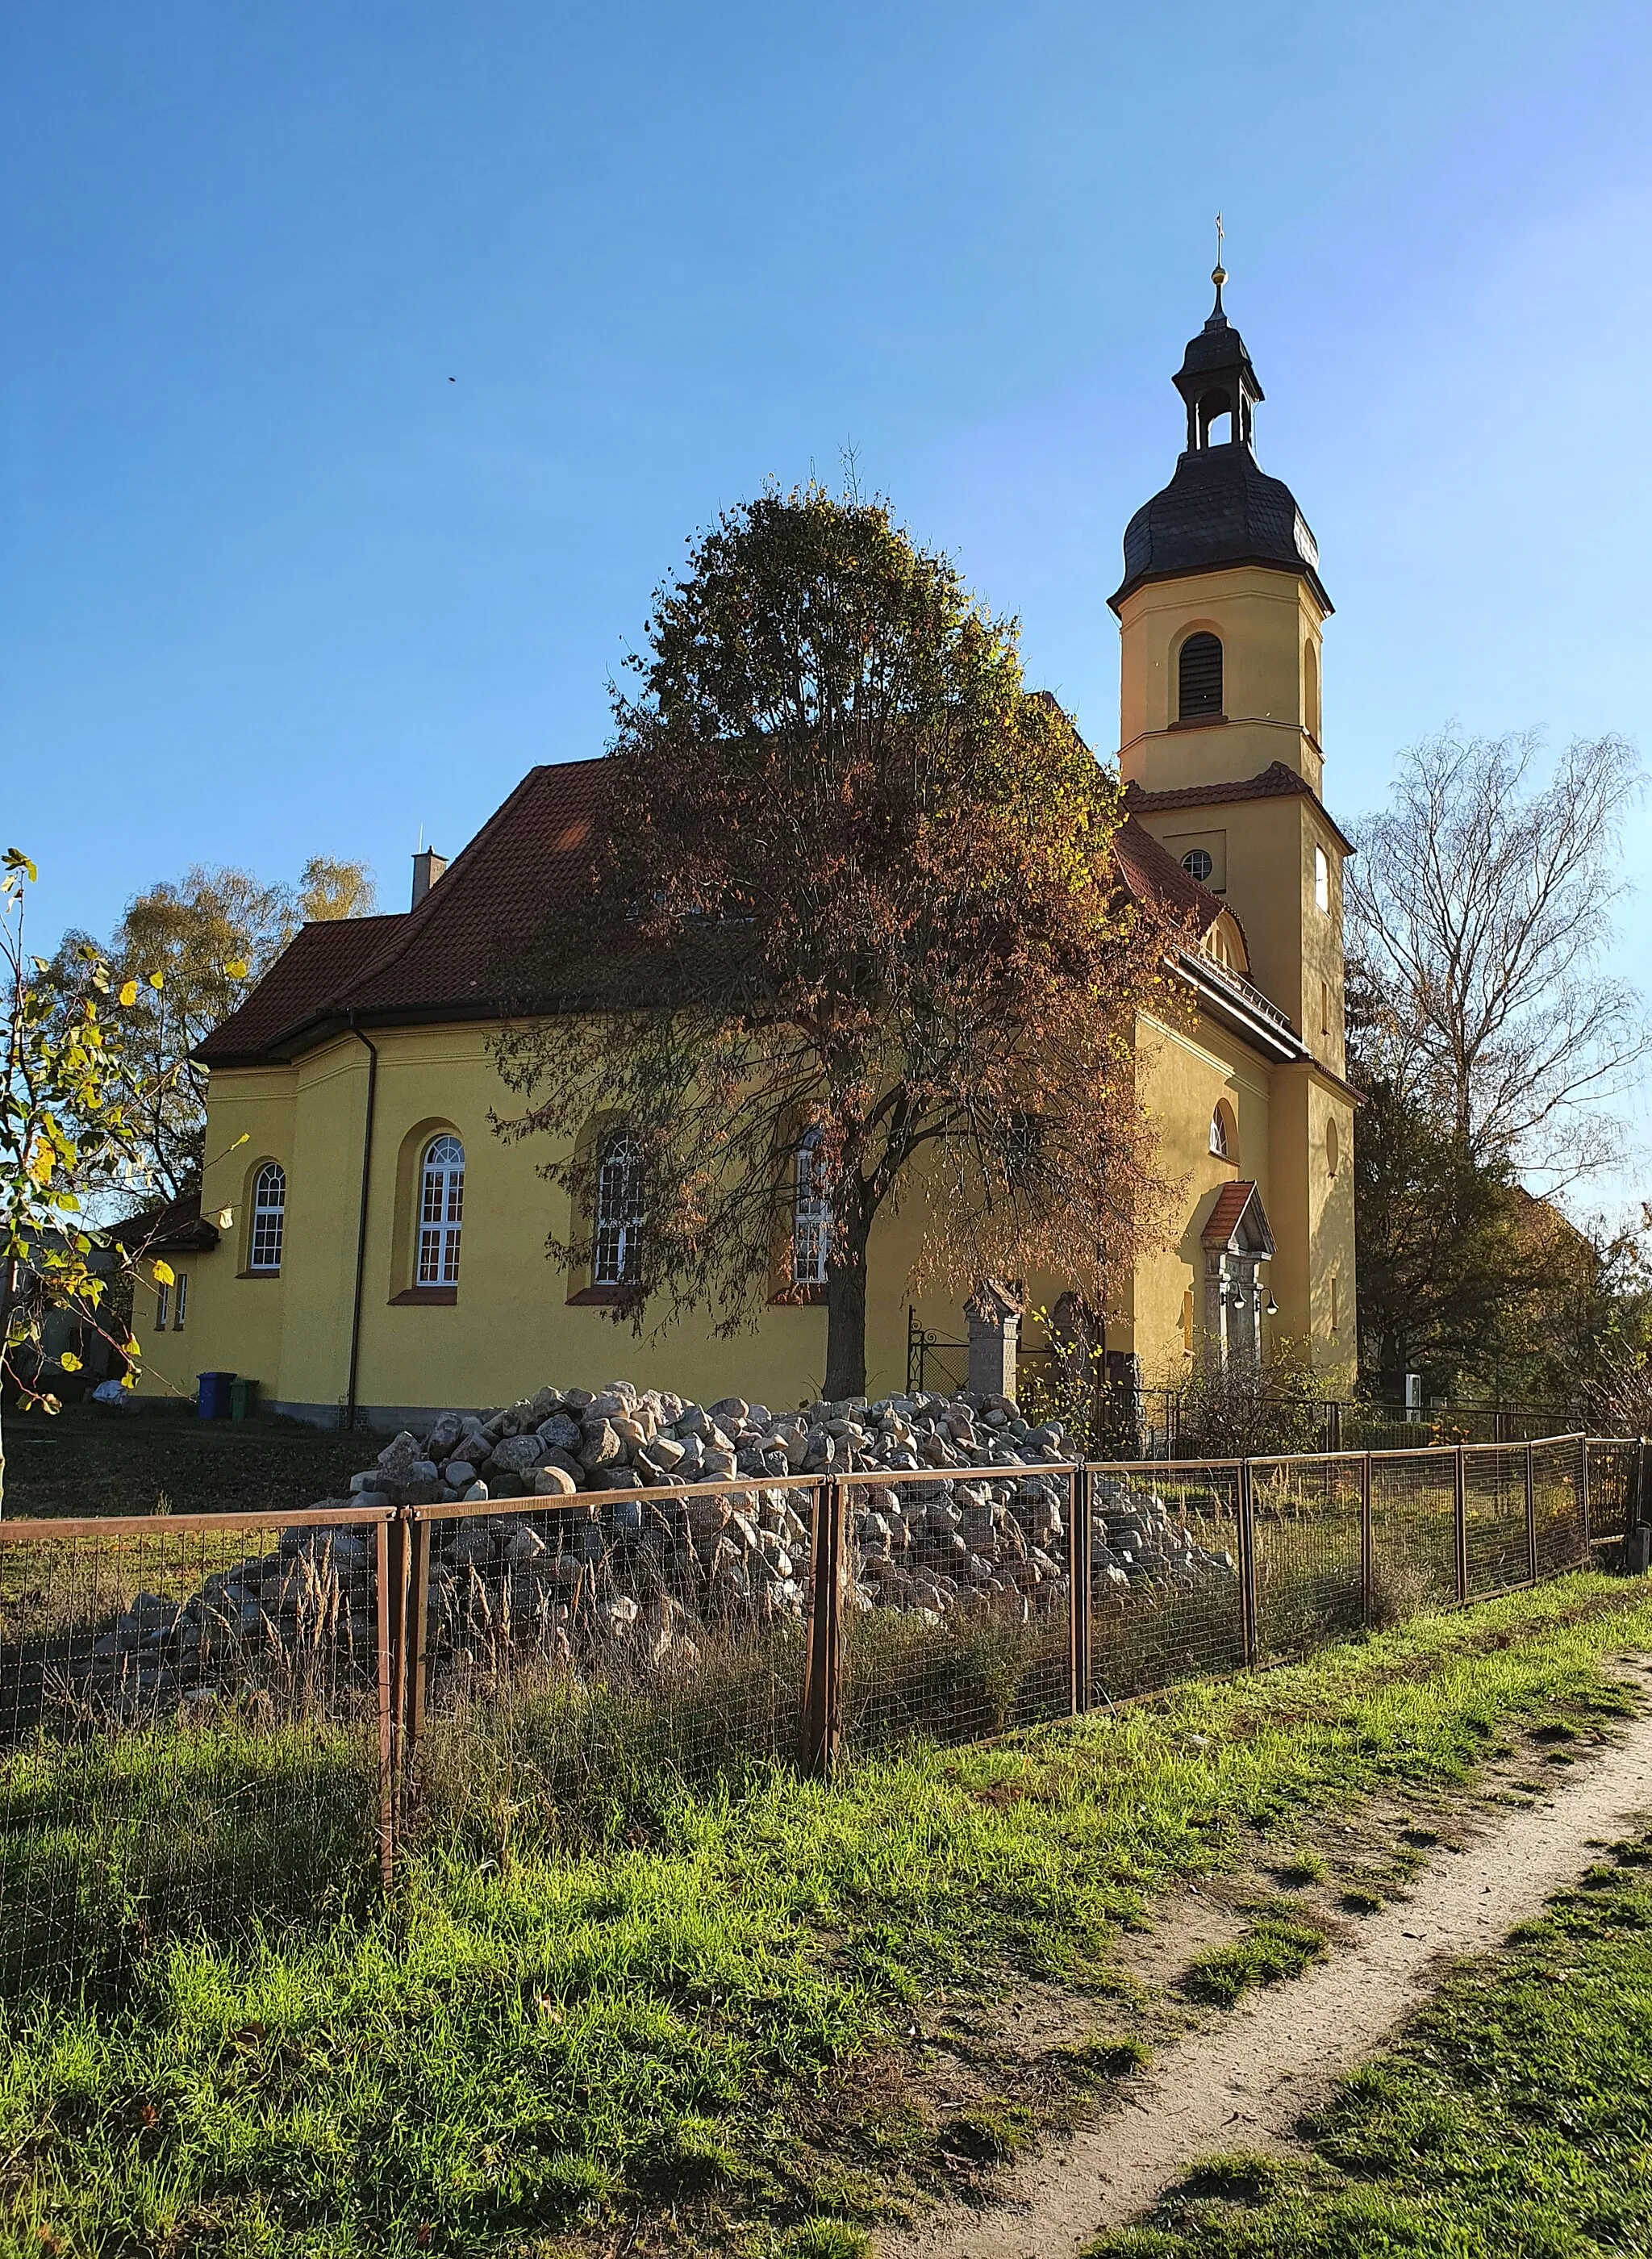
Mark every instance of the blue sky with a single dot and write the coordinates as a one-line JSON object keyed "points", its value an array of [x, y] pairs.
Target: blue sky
{"points": [[271, 584]]}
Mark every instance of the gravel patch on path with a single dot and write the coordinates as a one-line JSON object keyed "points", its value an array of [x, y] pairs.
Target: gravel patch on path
{"points": [[1246, 2081]]}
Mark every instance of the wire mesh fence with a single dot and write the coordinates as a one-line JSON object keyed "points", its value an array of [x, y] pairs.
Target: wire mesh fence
{"points": [[959, 1601], [1309, 1566], [217, 1722], [581, 1660], [1620, 1491], [1414, 1533], [1167, 1589], [195, 1731]]}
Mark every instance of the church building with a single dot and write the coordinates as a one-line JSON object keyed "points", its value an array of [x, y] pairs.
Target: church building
{"points": [[367, 1246]]}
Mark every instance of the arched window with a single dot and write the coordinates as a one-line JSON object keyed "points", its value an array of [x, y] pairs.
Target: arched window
{"points": [[1321, 880], [269, 1218], [1199, 679], [1333, 1149], [1311, 689], [441, 1211], [619, 1210], [1221, 1133], [811, 1216]]}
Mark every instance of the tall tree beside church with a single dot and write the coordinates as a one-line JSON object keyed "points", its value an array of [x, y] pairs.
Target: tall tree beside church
{"points": [[854, 885], [1480, 907], [1435, 1243], [210, 938]]}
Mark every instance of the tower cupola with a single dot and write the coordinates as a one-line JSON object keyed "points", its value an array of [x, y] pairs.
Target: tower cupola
{"points": [[1221, 508], [1217, 384]]}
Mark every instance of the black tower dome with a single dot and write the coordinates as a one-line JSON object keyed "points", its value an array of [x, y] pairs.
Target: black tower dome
{"points": [[1220, 508]]}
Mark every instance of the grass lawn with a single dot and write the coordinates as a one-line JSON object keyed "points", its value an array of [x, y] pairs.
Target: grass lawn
{"points": [[1514, 2118], [694, 2038], [88, 1461]]}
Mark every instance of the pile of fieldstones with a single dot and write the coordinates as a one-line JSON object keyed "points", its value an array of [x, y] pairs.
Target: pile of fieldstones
{"points": [[948, 1513]]}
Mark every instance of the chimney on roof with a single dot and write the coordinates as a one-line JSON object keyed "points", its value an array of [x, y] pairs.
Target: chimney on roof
{"points": [[428, 867]]}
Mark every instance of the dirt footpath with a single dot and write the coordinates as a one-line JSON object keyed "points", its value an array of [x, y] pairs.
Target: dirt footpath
{"points": [[1245, 2082]]}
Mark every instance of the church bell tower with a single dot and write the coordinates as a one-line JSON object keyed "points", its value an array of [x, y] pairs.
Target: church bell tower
{"points": [[1222, 614]]}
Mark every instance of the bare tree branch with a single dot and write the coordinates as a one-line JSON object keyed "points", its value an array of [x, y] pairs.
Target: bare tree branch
{"points": [[1480, 906]]}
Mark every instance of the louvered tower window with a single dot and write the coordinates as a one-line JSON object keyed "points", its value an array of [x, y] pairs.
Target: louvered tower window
{"points": [[1198, 678]]}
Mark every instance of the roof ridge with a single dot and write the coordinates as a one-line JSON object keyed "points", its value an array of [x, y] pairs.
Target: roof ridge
{"points": [[413, 922]]}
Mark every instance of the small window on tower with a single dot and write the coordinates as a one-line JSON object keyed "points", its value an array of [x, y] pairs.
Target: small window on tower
{"points": [[1198, 862], [1199, 679], [1321, 880]]}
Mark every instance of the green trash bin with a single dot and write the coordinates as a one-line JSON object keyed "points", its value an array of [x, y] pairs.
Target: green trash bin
{"points": [[243, 1395]]}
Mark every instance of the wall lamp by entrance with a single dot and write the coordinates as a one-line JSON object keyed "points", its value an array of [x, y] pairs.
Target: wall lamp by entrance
{"points": [[1273, 1307]]}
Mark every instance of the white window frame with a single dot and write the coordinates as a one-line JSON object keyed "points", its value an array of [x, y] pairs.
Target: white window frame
{"points": [[441, 1211], [1321, 880], [163, 1305], [268, 1233], [1219, 1135], [182, 1284], [616, 1240], [811, 1216]]}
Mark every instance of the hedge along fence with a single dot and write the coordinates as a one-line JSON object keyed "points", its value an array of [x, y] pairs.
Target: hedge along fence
{"points": [[218, 1722]]}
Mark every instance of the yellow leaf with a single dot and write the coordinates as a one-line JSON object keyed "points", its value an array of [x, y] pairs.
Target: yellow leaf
{"points": [[237, 968], [163, 1272], [157, 980], [69, 1362], [129, 991]]}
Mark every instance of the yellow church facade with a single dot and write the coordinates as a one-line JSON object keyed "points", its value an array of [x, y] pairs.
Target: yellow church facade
{"points": [[368, 1246]]}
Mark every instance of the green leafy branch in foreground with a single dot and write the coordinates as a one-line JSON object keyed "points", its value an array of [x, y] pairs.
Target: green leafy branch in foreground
{"points": [[1514, 2116], [519, 2048]]}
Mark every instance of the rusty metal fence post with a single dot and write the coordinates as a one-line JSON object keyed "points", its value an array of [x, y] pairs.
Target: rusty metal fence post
{"points": [[1531, 1521], [1079, 1540], [1584, 1496], [384, 1685], [1367, 1546], [823, 1684], [1460, 1525], [1248, 1565]]}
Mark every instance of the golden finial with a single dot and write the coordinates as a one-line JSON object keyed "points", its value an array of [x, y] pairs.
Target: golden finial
{"points": [[1218, 273]]}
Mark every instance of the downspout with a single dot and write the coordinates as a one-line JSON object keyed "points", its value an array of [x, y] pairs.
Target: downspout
{"points": [[361, 1219]]}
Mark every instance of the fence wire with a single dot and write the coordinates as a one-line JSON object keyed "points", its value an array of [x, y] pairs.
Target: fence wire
{"points": [[1413, 1535], [1166, 1595], [1560, 1487], [958, 1592], [584, 1658], [1614, 1461], [194, 1732], [1307, 1553]]}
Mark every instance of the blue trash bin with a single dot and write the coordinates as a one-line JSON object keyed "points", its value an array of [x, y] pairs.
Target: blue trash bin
{"points": [[215, 1394]]}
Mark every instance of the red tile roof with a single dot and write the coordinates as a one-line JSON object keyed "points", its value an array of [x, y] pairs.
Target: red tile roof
{"points": [[433, 962], [1225, 1218], [437, 962], [1151, 871], [1275, 782]]}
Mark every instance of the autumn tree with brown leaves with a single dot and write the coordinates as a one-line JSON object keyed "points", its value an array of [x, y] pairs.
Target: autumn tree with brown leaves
{"points": [[854, 885]]}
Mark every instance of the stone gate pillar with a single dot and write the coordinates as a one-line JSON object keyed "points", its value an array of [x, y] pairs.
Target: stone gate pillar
{"points": [[993, 1311]]}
